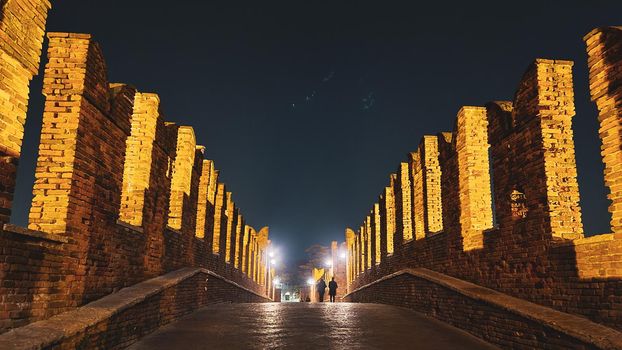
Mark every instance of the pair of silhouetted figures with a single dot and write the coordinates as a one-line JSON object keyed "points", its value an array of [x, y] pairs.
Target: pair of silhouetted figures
{"points": [[332, 289]]}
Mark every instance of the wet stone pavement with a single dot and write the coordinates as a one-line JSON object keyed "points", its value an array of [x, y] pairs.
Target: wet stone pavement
{"points": [[308, 326]]}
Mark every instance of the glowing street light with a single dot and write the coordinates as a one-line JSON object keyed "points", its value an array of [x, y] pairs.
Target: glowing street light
{"points": [[329, 263], [310, 281], [271, 254], [273, 261], [343, 255], [277, 281]]}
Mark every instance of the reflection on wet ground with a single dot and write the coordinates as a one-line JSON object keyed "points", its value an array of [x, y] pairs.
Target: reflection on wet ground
{"points": [[308, 326]]}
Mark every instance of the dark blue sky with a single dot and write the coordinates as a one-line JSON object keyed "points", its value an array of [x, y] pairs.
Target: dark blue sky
{"points": [[306, 107]]}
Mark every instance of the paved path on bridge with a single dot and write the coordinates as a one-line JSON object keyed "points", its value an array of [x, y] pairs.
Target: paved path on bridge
{"points": [[308, 326]]}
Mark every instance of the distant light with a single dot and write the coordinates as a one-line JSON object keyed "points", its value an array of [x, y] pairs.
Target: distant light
{"points": [[277, 281], [343, 255], [329, 263], [271, 254], [310, 281], [273, 261]]}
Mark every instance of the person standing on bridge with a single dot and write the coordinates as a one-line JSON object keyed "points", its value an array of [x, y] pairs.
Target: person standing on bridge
{"points": [[321, 288], [332, 289]]}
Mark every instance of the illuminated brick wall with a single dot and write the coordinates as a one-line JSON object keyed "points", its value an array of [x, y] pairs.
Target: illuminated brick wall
{"points": [[120, 195], [521, 153], [22, 27]]}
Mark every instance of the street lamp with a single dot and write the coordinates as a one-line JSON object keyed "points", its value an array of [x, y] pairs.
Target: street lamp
{"points": [[310, 281], [343, 255], [329, 263]]}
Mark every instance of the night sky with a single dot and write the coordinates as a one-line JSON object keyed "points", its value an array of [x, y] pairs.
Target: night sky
{"points": [[308, 106]]}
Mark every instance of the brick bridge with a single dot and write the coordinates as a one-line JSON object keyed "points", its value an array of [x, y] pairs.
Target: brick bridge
{"points": [[130, 228]]}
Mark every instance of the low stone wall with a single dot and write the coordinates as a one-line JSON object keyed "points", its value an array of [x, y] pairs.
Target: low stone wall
{"points": [[498, 318], [120, 319]]}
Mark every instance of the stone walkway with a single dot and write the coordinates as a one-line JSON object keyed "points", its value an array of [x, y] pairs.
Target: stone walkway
{"points": [[308, 326]]}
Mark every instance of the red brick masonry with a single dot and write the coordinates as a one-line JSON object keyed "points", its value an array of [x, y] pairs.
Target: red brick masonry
{"points": [[119, 319], [493, 316]]}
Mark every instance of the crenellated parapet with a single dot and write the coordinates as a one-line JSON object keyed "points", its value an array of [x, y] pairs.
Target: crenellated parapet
{"points": [[120, 194], [496, 200], [350, 266]]}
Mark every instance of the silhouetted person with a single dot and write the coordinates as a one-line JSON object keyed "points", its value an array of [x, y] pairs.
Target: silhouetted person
{"points": [[321, 289], [332, 289]]}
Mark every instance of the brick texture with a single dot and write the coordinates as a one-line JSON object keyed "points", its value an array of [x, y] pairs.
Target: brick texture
{"points": [[496, 202], [120, 196], [604, 49], [22, 27]]}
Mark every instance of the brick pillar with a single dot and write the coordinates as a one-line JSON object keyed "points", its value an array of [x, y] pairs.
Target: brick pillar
{"points": [[219, 209], [224, 225], [403, 205], [377, 233], [349, 265], [182, 176], [264, 242], [82, 117], [418, 206], [363, 246], [211, 206], [229, 229], [22, 26], [553, 108], [387, 219], [202, 202], [604, 49], [535, 184], [239, 240], [249, 253], [139, 157], [431, 177], [357, 255], [355, 266], [234, 237], [364, 251], [254, 257], [473, 176], [149, 151], [79, 176], [426, 188], [245, 245], [370, 252]]}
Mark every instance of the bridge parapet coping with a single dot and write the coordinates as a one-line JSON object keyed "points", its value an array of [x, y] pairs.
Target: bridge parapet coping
{"points": [[577, 327], [62, 328]]}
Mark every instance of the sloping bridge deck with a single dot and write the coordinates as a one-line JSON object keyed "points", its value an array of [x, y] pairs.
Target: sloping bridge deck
{"points": [[308, 326]]}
